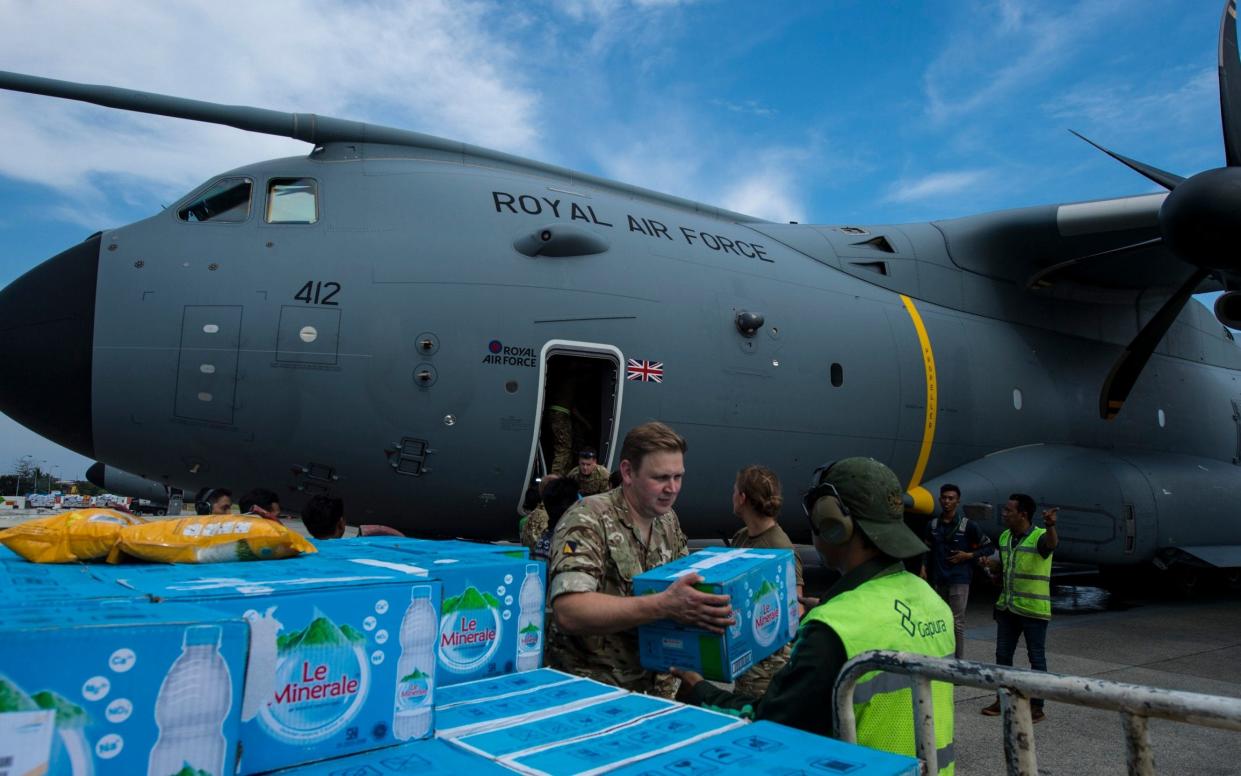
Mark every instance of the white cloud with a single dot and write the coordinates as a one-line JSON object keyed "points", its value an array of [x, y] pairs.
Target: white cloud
{"points": [[749, 107], [940, 184], [1134, 109], [1004, 48], [434, 66]]}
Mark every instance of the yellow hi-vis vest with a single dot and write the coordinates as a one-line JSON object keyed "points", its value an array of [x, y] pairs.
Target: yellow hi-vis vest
{"points": [[1027, 576], [899, 612]]}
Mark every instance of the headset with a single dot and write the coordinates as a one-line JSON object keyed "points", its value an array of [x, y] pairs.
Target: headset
{"points": [[202, 504], [823, 505]]}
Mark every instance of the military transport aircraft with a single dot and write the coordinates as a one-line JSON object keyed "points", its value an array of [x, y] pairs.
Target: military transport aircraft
{"points": [[383, 318]]}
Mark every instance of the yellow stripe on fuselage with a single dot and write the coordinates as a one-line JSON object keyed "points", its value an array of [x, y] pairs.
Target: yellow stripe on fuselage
{"points": [[932, 394]]}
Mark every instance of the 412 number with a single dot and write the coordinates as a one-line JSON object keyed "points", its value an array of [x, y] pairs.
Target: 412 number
{"points": [[318, 292]]}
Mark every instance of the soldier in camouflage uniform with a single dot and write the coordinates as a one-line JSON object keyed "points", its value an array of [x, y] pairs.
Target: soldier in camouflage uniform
{"points": [[600, 545], [757, 501], [592, 478]]}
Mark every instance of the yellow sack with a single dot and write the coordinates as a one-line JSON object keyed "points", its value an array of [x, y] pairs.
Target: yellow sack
{"points": [[209, 539], [82, 534]]}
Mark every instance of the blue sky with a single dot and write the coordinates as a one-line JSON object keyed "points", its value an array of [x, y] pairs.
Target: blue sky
{"points": [[820, 112]]}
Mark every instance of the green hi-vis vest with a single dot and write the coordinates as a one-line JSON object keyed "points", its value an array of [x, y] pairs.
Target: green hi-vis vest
{"points": [[1027, 576], [899, 612]]}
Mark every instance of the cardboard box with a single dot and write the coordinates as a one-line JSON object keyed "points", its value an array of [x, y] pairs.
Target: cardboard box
{"points": [[760, 747], [494, 612], [464, 718], [120, 688], [763, 588], [430, 757], [638, 740], [590, 720], [362, 544], [50, 584], [341, 654]]}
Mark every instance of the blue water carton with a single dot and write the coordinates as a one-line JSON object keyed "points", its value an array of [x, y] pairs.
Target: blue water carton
{"points": [[493, 616], [633, 741], [493, 619], [430, 757], [592, 719], [505, 703], [763, 587], [450, 547], [55, 583], [764, 747], [342, 654], [120, 688]]}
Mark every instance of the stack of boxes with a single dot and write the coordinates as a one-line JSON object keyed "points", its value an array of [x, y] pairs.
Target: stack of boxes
{"points": [[348, 661]]}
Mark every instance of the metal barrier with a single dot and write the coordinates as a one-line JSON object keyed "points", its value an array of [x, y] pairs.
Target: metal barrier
{"points": [[1135, 704]]}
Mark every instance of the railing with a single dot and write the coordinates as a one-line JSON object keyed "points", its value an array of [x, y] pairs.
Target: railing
{"points": [[1135, 704]]}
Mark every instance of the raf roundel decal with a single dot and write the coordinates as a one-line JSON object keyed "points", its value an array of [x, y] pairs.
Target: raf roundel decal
{"points": [[495, 346]]}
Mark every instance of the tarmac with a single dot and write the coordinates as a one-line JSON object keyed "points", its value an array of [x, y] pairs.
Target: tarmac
{"points": [[1154, 637]]}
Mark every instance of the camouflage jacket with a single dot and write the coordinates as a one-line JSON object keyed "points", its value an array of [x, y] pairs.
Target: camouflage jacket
{"points": [[533, 525], [597, 549], [596, 483]]}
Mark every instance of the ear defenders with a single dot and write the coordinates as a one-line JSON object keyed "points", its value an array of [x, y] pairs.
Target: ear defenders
{"points": [[828, 515]]}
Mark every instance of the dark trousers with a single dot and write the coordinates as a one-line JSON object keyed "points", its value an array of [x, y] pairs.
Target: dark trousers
{"points": [[1008, 628]]}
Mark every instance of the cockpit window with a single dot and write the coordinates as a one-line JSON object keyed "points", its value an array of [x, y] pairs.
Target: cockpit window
{"points": [[292, 201], [226, 200]]}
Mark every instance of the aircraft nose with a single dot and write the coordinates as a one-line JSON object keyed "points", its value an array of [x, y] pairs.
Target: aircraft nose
{"points": [[47, 327]]}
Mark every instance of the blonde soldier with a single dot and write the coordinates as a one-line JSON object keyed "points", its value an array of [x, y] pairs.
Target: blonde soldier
{"points": [[600, 545], [757, 501], [592, 478]]}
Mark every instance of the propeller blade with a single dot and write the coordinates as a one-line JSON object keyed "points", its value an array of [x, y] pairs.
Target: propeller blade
{"points": [[1133, 358], [1042, 278], [1230, 84], [1165, 179]]}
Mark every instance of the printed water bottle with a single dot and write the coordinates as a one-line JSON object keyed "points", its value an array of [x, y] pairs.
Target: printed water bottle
{"points": [[192, 705], [530, 620], [790, 576], [411, 716]]}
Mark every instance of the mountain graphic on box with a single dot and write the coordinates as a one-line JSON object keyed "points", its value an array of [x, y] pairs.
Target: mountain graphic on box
{"points": [[764, 589], [322, 632], [68, 713], [12, 698], [530, 628], [415, 675], [471, 600], [189, 770]]}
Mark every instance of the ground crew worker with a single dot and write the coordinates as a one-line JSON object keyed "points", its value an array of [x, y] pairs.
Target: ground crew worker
{"points": [[956, 543], [855, 512], [600, 545], [1024, 606], [591, 477], [757, 501]]}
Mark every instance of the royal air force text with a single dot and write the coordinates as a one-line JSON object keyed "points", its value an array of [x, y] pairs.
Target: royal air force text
{"points": [[528, 204]]}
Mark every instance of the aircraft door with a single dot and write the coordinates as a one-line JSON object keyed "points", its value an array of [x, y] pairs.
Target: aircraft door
{"points": [[207, 363], [579, 405]]}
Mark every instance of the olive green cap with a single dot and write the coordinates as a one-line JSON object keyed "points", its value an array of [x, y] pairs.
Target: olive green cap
{"points": [[875, 500]]}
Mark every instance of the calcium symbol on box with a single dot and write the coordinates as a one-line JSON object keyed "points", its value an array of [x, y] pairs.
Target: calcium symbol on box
{"points": [[411, 716], [530, 621], [192, 705]]}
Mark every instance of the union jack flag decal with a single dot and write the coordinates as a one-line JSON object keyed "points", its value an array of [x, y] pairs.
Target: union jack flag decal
{"points": [[645, 371]]}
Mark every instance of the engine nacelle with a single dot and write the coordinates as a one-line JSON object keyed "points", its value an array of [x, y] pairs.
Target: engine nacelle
{"points": [[1228, 309], [1115, 507]]}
